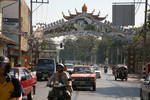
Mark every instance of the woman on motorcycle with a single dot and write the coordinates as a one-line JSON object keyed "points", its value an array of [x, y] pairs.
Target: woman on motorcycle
{"points": [[62, 77]]}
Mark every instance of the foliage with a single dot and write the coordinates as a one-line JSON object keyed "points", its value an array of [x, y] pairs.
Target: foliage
{"points": [[43, 45], [48, 45]]}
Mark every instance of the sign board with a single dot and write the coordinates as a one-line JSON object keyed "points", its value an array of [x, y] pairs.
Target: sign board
{"points": [[123, 15]]}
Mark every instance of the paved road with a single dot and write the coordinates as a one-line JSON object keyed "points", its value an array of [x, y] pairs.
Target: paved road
{"points": [[107, 89]]}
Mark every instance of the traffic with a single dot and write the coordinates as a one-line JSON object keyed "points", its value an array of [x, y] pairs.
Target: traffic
{"points": [[97, 50]]}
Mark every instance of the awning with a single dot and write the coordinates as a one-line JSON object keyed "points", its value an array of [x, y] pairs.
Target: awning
{"points": [[7, 40]]}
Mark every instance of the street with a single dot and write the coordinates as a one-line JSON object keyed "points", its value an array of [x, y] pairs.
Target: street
{"points": [[106, 89]]}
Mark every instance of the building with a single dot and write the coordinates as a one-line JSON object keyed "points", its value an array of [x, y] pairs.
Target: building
{"points": [[11, 20], [4, 41]]}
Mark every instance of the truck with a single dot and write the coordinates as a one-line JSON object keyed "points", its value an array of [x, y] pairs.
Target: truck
{"points": [[46, 65]]}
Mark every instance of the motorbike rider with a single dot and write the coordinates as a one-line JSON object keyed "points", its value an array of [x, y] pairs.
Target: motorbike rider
{"points": [[105, 69], [10, 87], [62, 77], [65, 69]]}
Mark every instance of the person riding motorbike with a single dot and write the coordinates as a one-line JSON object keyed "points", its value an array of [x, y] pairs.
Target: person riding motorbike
{"points": [[62, 77], [105, 69], [10, 87], [65, 69]]}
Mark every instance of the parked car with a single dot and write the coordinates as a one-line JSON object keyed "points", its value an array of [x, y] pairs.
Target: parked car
{"points": [[145, 89], [70, 68], [27, 80], [83, 75], [97, 71]]}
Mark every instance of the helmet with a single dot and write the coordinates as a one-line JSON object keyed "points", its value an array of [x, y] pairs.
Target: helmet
{"points": [[6, 63], [60, 64]]}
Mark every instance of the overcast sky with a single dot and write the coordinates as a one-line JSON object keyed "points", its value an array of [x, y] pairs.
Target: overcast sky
{"points": [[51, 12]]}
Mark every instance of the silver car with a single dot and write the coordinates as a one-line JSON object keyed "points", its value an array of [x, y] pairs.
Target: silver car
{"points": [[97, 71], [145, 89]]}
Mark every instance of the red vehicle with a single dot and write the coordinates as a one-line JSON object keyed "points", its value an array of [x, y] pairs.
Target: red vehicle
{"points": [[27, 80], [84, 75]]}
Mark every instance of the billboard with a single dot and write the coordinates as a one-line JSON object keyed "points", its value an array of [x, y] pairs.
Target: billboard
{"points": [[123, 15]]}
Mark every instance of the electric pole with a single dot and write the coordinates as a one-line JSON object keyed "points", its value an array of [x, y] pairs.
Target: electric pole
{"points": [[31, 28], [20, 21], [144, 44]]}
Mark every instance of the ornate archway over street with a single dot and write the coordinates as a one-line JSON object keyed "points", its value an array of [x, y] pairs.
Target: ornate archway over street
{"points": [[83, 23]]}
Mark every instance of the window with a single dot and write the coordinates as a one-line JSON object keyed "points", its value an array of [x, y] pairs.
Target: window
{"points": [[22, 74], [83, 70], [14, 73], [148, 78], [29, 76]]}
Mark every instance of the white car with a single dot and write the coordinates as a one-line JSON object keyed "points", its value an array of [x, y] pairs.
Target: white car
{"points": [[145, 89], [97, 71], [70, 68]]}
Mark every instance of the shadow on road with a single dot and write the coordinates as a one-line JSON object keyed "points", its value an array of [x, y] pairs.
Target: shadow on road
{"points": [[119, 91]]}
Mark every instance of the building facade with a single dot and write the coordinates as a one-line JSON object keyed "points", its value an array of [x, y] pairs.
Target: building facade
{"points": [[11, 22]]}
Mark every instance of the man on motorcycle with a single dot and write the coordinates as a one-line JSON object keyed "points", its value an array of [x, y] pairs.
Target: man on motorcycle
{"points": [[10, 87], [62, 77], [105, 69]]}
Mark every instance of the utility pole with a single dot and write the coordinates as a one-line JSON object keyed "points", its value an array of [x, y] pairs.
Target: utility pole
{"points": [[144, 44], [33, 1], [31, 28], [20, 21]]}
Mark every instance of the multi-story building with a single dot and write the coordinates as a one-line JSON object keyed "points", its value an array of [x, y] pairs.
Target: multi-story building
{"points": [[3, 39], [11, 22]]}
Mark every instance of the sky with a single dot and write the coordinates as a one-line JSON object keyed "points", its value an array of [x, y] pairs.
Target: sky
{"points": [[48, 13]]}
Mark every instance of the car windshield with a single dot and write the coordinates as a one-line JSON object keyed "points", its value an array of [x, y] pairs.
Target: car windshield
{"points": [[96, 68], [70, 66], [46, 62], [83, 70], [147, 78], [14, 73]]}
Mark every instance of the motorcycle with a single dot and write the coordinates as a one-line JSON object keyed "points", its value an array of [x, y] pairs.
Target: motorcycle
{"points": [[105, 70], [58, 92]]}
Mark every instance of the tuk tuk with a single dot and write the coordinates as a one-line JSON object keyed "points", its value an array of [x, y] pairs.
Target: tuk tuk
{"points": [[121, 72]]}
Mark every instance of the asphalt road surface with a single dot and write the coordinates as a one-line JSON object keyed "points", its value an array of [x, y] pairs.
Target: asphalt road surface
{"points": [[106, 89]]}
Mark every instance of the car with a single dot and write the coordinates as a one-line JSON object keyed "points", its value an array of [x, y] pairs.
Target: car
{"points": [[27, 80], [70, 68], [83, 76], [97, 71], [145, 89]]}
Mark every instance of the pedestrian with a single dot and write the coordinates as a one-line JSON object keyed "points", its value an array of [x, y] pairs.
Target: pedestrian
{"points": [[10, 87]]}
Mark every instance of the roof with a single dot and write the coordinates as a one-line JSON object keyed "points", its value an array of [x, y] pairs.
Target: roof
{"points": [[84, 10], [121, 65], [7, 40], [83, 66]]}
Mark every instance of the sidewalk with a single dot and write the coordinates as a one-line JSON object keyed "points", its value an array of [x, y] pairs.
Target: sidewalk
{"points": [[136, 76]]}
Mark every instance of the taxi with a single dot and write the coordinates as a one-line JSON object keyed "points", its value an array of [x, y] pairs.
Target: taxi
{"points": [[27, 80], [83, 75]]}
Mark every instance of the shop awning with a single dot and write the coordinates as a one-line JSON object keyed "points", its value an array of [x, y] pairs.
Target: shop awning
{"points": [[7, 40]]}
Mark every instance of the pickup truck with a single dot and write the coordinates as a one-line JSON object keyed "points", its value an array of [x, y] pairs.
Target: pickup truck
{"points": [[82, 76]]}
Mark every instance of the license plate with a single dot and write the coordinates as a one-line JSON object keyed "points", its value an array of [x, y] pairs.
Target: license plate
{"points": [[45, 75], [81, 83]]}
